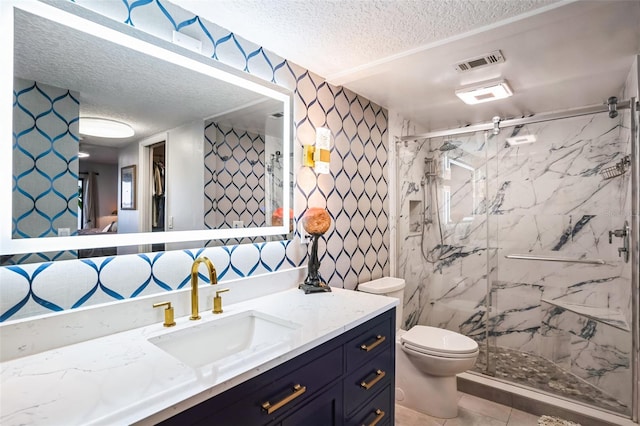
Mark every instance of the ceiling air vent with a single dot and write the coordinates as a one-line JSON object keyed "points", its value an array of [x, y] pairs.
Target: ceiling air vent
{"points": [[494, 57]]}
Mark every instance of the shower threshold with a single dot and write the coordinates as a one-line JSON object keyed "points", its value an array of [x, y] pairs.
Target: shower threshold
{"points": [[540, 374]]}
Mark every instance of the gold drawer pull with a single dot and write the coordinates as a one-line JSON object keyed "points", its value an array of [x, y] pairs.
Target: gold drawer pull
{"points": [[297, 391], [379, 376], [379, 339], [379, 415]]}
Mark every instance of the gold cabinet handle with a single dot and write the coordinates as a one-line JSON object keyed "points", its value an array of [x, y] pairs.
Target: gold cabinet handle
{"points": [[379, 415], [379, 340], [297, 391], [379, 376]]}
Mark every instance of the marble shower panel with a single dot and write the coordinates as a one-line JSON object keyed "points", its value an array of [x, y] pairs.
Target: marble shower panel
{"points": [[442, 288], [553, 201]]}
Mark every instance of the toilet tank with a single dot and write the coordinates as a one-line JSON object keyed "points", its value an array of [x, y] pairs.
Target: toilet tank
{"points": [[390, 287]]}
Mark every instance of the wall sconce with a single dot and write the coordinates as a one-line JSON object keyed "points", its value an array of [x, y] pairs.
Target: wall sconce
{"points": [[318, 155]]}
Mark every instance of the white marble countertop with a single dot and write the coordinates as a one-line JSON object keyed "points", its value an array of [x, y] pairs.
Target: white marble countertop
{"points": [[124, 379]]}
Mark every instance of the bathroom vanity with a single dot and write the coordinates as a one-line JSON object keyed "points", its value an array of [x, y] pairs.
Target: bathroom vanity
{"points": [[330, 361], [351, 377]]}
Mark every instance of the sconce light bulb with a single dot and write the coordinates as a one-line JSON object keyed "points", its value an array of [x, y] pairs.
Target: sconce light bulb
{"points": [[321, 155]]}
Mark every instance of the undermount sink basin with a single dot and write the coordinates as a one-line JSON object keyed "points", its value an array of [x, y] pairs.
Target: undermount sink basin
{"points": [[229, 341]]}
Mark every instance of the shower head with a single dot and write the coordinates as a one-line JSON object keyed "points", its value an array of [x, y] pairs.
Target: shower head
{"points": [[448, 146]]}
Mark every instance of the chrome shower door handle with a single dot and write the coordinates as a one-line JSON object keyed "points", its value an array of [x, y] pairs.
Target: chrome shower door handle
{"points": [[625, 234], [626, 237]]}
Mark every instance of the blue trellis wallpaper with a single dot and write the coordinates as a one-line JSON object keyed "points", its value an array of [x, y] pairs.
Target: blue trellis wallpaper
{"points": [[234, 177], [356, 247], [45, 164]]}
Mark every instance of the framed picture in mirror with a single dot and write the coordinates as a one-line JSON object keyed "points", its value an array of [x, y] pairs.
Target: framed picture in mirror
{"points": [[128, 188]]}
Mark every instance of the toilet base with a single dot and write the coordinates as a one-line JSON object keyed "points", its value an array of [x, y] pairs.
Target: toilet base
{"points": [[431, 395], [441, 404]]}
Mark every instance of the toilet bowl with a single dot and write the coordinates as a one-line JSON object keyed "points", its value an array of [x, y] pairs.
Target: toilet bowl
{"points": [[427, 359]]}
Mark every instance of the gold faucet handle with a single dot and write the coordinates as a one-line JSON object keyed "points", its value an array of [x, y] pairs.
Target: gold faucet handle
{"points": [[217, 301], [168, 313]]}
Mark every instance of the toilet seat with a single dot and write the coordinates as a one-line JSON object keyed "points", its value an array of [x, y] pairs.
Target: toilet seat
{"points": [[438, 342]]}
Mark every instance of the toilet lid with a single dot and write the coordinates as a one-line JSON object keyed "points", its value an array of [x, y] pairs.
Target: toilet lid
{"points": [[439, 340]]}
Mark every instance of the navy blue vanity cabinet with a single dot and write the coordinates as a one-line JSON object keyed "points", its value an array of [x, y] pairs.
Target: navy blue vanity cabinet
{"points": [[375, 411], [323, 410], [369, 383], [347, 380]]}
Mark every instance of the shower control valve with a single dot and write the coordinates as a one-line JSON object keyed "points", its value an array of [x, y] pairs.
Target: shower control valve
{"points": [[620, 233]]}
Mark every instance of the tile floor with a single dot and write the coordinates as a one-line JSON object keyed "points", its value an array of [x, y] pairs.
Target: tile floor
{"points": [[472, 411]]}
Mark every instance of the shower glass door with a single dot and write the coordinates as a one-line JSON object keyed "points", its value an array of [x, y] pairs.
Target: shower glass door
{"points": [[442, 232], [471, 206], [560, 294]]}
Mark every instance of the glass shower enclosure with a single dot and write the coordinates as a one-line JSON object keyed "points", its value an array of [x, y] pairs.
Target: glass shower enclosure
{"points": [[516, 238]]}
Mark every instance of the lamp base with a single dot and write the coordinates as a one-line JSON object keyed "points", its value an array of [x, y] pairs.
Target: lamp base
{"points": [[309, 288], [314, 282]]}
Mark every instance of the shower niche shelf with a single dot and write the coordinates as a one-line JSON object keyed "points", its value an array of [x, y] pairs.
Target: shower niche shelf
{"points": [[416, 217], [611, 317]]}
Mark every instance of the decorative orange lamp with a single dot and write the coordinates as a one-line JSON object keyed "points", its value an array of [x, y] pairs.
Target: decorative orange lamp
{"points": [[316, 221], [277, 218]]}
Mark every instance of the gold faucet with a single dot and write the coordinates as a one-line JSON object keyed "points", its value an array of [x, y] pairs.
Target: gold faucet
{"points": [[213, 279]]}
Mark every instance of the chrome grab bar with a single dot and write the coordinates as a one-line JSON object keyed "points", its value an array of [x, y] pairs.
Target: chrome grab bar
{"points": [[555, 259]]}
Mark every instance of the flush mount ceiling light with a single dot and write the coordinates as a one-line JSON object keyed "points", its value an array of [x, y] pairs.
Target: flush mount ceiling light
{"points": [[484, 92], [104, 128]]}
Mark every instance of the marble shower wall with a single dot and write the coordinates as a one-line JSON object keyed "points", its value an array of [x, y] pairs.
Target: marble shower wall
{"points": [[545, 198], [442, 251], [554, 201]]}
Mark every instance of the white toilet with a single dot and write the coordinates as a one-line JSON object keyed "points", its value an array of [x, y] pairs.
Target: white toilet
{"points": [[427, 359]]}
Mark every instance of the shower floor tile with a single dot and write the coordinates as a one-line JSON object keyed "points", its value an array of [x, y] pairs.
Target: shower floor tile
{"points": [[541, 374]]}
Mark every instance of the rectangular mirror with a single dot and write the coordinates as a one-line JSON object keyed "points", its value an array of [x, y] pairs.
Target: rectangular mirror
{"points": [[208, 160]]}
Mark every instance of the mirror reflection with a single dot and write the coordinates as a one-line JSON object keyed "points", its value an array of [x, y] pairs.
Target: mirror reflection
{"points": [[201, 153]]}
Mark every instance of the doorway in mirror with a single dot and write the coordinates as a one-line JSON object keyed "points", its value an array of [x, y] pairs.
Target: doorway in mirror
{"points": [[158, 191]]}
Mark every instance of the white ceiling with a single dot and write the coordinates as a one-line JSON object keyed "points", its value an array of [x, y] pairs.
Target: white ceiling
{"points": [[401, 54]]}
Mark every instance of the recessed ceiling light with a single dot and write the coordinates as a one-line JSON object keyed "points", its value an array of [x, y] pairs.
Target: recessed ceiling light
{"points": [[83, 154], [484, 92], [104, 128], [521, 140]]}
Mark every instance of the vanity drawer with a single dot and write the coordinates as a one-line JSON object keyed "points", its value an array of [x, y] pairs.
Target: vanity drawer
{"points": [[322, 410], [375, 340], [368, 380], [379, 411], [288, 391], [282, 388]]}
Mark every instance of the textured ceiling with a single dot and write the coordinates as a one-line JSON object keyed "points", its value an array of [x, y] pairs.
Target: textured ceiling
{"points": [[329, 36], [119, 83], [401, 54]]}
